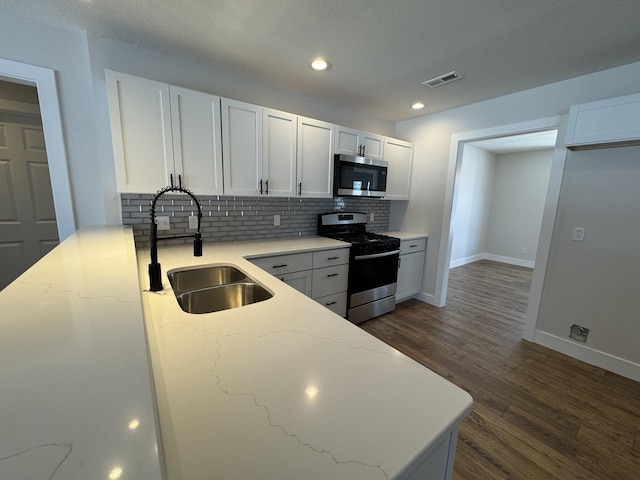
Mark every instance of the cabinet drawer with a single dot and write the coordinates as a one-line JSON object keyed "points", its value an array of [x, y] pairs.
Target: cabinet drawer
{"points": [[411, 246], [329, 280], [336, 303], [281, 264], [327, 258]]}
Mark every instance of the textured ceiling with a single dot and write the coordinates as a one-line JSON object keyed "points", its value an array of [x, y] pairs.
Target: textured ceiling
{"points": [[381, 50]]}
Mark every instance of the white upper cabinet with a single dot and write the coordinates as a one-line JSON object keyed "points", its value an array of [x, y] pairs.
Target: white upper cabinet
{"points": [[162, 133], [613, 120], [399, 155], [269, 152], [315, 158], [259, 146], [356, 142], [197, 142], [242, 147], [140, 115], [280, 133]]}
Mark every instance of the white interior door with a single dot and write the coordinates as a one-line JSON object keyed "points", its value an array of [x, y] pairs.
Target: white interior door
{"points": [[28, 228]]}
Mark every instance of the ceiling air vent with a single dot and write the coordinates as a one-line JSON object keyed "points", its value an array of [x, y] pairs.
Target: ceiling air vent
{"points": [[442, 79]]}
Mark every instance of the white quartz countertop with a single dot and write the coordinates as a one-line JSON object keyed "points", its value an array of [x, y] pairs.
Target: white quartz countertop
{"points": [[76, 400], [402, 235], [284, 388]]}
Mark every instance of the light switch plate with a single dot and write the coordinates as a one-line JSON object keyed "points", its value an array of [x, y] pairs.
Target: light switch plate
{"points": [[163, 223]]}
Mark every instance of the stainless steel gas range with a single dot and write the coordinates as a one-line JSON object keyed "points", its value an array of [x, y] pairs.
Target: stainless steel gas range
{"points": [[373, 264]]}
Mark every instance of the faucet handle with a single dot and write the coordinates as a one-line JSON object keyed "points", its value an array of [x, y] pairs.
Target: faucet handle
{"points": [[197, 246]]}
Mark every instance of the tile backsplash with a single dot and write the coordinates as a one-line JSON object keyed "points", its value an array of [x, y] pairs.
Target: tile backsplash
{"points": [[227, 218]]}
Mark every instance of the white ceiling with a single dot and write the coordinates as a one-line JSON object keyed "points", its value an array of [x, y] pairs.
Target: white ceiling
{"points": [[381, 50]]}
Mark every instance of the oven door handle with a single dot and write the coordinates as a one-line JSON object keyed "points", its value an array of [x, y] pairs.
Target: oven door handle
{"points": [[376, 255]]}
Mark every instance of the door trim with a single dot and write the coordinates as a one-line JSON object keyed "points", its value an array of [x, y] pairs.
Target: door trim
{"points": [[553, 191], [45, 81]]}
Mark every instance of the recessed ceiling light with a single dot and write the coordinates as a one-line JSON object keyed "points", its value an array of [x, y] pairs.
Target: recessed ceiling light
{"points": [[417, 105], [320, 64]]}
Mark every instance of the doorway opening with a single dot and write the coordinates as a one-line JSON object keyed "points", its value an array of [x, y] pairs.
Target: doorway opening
{"points": [[28, 227], [458, 143]]}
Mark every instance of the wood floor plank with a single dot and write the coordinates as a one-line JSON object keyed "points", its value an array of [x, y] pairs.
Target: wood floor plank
{"points": [[538, 414]]}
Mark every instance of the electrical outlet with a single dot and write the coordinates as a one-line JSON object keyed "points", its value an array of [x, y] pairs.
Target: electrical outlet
{"points": [[372, 217], [193, 221], [578, 234], [163, 223], [276, 220], [523, 250]]}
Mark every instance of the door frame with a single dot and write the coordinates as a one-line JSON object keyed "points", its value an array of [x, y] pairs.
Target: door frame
{"points": [[45, 81], [458, 141]]}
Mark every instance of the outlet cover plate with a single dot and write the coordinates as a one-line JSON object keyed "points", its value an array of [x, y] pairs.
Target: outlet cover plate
{"points": [[193, 221], [163, 223]]}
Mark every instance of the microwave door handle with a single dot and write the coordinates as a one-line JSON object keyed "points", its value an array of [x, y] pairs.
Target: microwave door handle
{"points": [[376, 255]]}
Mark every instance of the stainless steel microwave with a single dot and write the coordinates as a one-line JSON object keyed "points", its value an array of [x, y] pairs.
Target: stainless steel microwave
{"points": [[359, 176]]}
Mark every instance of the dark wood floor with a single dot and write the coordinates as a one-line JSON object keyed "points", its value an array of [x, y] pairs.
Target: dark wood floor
{"points": [[537, 414]]}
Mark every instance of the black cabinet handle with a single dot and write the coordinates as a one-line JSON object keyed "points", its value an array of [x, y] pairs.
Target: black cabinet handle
{"points": [[280, 266], [413, 246], [266, 185], [330, 303], [171, 178], [300, 189], [333, 258], [260, 187], [333, 275], [180, 181]]}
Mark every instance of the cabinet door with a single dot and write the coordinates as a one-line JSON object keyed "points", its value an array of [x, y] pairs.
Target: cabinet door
{"points": [[315, 158], [301, 281], [279, 150], [242, 146], [349, 141], [410, 270], [399, 154], [140, 116], [373, 145], [197, 148]]}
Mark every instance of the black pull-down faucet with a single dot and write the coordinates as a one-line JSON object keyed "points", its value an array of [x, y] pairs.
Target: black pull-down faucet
{"points": [[155, 272]]}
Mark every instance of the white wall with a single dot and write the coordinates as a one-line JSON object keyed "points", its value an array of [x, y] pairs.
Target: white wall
{"points": [[474, 195], [65, 52], [595, 283], [520, 188]]}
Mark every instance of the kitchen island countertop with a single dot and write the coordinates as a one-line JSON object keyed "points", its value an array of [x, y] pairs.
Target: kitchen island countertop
{"points": [[284, 388], [280, 389]]}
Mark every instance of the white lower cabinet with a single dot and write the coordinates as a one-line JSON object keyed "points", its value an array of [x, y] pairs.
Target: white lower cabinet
{"points": [[410, 267], [321, 275], [337, 303], [301, 281]]}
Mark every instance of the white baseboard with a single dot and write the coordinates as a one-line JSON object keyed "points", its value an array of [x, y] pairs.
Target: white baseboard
{"points": [[495, 258], [587, 354], [428, 298], [466, 260]]}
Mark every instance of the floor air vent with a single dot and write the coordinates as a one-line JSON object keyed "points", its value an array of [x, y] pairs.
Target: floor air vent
{"points": [[442, 79]]}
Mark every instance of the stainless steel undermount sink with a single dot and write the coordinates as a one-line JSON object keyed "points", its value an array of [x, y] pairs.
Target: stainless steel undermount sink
{"points": [[214, 287]]}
